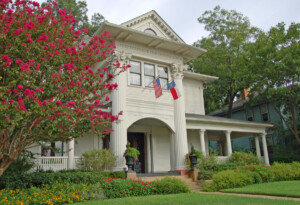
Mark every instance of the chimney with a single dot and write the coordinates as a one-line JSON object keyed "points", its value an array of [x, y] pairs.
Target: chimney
{"points": [[245, 93]]}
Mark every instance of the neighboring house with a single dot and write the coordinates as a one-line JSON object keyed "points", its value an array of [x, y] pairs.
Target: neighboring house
{"points": [[263, 112], [161, 128]]}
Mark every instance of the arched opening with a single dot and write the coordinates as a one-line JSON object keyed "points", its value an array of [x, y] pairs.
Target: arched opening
{"points": [[150, 31], [152, 137]]}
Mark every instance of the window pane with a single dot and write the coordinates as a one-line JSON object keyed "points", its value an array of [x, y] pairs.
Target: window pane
{"points": [[149, 69], [162, 72], [149, 81], [163, 83], [135, 79], [265, 117], [135, 67], [150, 31], [249, 115]]}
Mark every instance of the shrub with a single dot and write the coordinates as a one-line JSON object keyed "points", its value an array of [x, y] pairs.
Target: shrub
{"points": [[227, 166], [208, 163], [97, 160], [264, 171], [206, 174], [118, 188], [244, 158], [229, 179], [57, 193], [284, 171], [170, 185], [26, 180]]}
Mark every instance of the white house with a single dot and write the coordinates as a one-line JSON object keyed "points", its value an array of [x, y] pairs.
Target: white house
{"points": [[162, 129]]}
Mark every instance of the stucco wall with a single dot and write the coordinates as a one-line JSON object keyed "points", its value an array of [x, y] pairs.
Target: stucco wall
{"points": [[193, 96]]}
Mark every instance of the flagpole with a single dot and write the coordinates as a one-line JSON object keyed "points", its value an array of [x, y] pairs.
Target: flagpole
{"points": [[152, 81]]}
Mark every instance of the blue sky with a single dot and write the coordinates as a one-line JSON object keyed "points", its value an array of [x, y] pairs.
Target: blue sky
{"points": [[182, 15]]}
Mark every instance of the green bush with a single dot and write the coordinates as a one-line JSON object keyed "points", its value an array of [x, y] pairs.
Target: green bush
{"points": [[118, 188], [244, 158], [97, 160], [169, 185], [208, 163], [227, 166], [284, 171], [229, 179], [206, 174], [264, 171], [26, 180]]}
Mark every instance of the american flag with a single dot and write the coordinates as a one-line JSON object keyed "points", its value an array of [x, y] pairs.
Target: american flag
{"points": [[157, 88]]}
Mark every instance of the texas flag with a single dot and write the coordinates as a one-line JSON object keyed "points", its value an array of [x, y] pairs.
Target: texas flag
{"points": [[157, 88], [174, 90]]}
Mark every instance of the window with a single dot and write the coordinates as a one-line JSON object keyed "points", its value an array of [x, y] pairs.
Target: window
{"points": [[53, 149], [149, 72], [163, 76], [249, 114], [264, 113], [135, 73], [150, 31]]}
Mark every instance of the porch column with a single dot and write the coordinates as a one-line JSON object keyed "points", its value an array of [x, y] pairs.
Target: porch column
{"points": [[202, 142], [148, 153], [172, 152], [118, 138], [71, 154], [206, 144], [228, 143], [265, 148], [180, 138], [257, 147]]}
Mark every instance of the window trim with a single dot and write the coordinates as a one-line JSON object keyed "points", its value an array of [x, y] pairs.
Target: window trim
{"points": [[247, 117], [261, 114], [141, 73]]}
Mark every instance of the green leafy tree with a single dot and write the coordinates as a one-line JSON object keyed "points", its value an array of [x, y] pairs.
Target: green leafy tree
{"points": [[79, 10], [52, 87], [226, 56], [277, 55]]}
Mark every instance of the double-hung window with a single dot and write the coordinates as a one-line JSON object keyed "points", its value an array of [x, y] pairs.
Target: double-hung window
{"points": [[249, 114], [163, 76], [264, 113], [135, 73], [149, 74]]}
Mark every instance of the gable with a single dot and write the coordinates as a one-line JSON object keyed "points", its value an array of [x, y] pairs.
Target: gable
{"points": [[153, 21]]}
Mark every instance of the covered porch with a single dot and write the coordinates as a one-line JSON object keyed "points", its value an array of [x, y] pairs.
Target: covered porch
{"points": [[205, 129]]}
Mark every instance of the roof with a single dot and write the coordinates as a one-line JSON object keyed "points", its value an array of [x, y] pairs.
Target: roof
{"points": [[157, 19], [222, 120], [236, 105], [201, 77]]}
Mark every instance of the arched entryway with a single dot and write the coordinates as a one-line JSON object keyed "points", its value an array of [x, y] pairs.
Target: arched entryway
{"points": [[152, 137]]}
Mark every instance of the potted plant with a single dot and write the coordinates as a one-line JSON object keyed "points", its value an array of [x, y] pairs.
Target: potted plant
{"points": [[130, 155], [192, 157]]}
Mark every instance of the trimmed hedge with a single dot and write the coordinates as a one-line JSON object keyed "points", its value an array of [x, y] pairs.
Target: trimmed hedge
{"points": [[169, 185], [27, 180], [286, 171]]}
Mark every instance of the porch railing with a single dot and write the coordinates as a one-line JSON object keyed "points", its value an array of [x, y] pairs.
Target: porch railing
{"points": [[51, 163]]}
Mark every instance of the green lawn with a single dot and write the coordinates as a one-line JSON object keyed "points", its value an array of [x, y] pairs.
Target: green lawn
{"points": [[192, 198], [284, 188]]}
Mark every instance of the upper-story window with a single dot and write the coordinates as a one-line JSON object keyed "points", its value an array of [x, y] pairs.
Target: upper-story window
{"points": [[163, 76], [264, 113], [250, 116], [143, 74], [150, 31], [135, 73], [149, 72]]}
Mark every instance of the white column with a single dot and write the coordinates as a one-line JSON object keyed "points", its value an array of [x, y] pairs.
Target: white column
{"points": [[228, 143], [180, 138], [257, 147], [202, 142], [71, 154], [206, 144], [118, 137], [148, 153], [265, 148], [172, 152]]}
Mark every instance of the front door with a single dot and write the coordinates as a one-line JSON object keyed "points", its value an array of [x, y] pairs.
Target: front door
{"points": [[137, 141]]}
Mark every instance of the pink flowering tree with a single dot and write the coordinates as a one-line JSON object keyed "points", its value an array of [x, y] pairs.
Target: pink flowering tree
{"points": [[50, 86]]}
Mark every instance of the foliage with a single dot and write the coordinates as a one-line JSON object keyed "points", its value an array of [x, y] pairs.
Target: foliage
{"points": [[276, 54], [23, 163], [244, 158], [208, 163], [79, 10], [285, 188], [51, 86], [193, 151], [97, 160], [226, 56], [264, 172], [132, 152], [27, 180], [286, 171], [228, 179], [56, 193], [169, 185], [206, 174], [117, 188]]}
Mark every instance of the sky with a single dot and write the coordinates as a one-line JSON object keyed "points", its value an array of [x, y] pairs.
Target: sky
{"points": [[182, 15]]}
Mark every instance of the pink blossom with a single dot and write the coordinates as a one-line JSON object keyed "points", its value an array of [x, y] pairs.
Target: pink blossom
{"points": [[59, 102], [20, 87]]}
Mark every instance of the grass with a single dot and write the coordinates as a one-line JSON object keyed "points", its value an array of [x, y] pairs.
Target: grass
{"points": [[284, 188], [192, 198]]}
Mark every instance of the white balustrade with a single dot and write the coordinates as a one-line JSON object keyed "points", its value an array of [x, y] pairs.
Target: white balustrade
{"points": [[51, 163]]}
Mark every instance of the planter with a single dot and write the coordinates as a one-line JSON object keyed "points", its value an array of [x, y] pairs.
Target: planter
{"points": [[193, 159], [129, 163]]}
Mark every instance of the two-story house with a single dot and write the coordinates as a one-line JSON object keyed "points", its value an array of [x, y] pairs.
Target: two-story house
{"points": [[162, 129]]}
